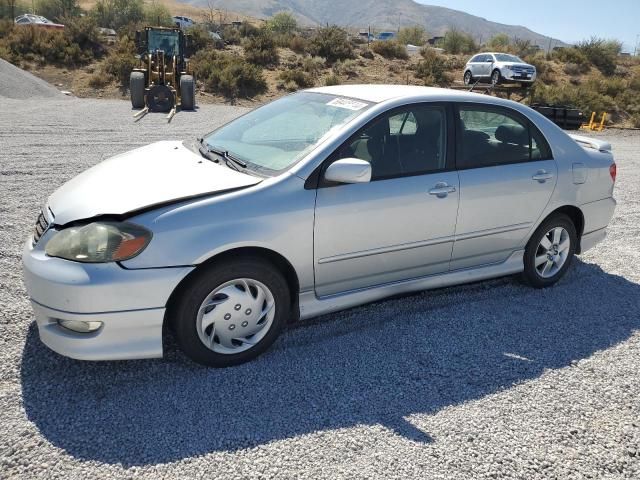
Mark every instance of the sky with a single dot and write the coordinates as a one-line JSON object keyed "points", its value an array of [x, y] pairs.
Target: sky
{"points": [[567, 20]]}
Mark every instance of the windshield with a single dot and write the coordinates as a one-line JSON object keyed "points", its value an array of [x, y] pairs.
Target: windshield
{"points": [[503, 57], [274, 137], [166, 40]]}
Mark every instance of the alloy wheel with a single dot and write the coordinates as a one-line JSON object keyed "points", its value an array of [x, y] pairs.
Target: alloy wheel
{"points": [[552, 252]]}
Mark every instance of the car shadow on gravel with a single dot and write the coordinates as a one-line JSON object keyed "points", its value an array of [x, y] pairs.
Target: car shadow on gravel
{"points": [[374, 365]]}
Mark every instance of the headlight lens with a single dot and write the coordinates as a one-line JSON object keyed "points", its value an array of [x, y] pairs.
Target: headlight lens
{"points": [[99, 242]]}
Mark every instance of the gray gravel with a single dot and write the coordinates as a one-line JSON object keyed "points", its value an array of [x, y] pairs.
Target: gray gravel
{"points": [[18, 84], [490, 380]]}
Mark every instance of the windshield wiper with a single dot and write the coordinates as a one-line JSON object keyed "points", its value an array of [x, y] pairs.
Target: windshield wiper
{"points": [[206, 150]]}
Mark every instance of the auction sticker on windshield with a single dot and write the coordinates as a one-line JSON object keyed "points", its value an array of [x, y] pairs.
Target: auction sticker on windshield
{"points": [[347, 103]]}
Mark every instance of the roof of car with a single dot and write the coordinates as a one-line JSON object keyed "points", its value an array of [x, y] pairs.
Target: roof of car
{"points": [[382, 93]]}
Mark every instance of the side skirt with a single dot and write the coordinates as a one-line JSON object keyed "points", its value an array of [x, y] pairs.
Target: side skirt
{"points": [[312, 306]]}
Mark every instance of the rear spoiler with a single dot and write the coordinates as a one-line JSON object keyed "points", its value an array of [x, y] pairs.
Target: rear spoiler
{"points": [[592, 143]]}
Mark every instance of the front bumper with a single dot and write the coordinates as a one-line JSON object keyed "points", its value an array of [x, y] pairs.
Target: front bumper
{"points": [[511, 76], [129, 303]]}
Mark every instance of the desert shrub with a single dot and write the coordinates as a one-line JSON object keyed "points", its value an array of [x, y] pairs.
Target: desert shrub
{"points": [[345, 68], [368, 54], [432, 69], [282, 23], [83, 31], [56, 10], [228, 74], [331, 43], [571, 55], [98, 80], [118, 13], [499, 43], [295, 79], [583, 97], [453, 62], [601, 53], [45, 46], [120, 61], [200, 38], [312, 65], [634, 83], [157, 14], [298, 44], [524, 48], [390, 49], [457, 42], [332, 80], [576, 69], [11, 9], [635, 120], [544, 68], [261, 49], [415, 35]]}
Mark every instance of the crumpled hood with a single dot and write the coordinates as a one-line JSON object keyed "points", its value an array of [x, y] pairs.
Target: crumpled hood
{"points": [[152, 175]]}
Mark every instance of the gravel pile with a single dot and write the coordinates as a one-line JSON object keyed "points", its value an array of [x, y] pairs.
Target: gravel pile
{"points": [[18, 84], [490, 380]]}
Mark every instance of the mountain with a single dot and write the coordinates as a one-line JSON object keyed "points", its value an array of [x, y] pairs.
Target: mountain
{"points": [[380, 15]]}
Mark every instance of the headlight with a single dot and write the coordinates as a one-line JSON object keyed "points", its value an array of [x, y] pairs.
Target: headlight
{"points": [[99, 242], [508, 67]]}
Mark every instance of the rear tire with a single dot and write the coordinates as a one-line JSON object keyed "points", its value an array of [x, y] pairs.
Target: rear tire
{"points": [[136, 89], [550, 250], [187, 93], [220, 323]]}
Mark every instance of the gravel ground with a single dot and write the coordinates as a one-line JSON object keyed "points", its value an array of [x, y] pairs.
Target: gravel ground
{"points": [[490, 380], [18, 84]]}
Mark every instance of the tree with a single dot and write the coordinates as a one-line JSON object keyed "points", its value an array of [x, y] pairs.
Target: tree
{"points": [[283, 23], [499, 42], [118, 13], [158, 15], [415, 35], [57, 9], [456, 42]]}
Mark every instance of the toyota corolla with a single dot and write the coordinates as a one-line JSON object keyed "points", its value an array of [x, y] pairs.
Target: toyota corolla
{"points": [[319, 201]]}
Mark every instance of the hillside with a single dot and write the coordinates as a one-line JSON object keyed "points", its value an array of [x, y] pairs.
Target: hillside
{"points": [[379, 14]]}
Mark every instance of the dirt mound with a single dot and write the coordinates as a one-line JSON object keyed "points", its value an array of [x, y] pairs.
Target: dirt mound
{"points": [[16, 83]]}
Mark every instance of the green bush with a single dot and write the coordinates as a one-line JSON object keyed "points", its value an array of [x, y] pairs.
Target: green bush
{"points": [[295, 79], [576, 69], [261, 49], [57, 10], [228, 74], [499, 43], [415, 35], [390, 49], [571, 55], [331, 43], [282, 23], [121, 61], [332, 80], [200, 39], [298, 44], [583, 97], [118, 13], [457, 42], [9, 13], [601, 53], [158, 15], [432, 69]]}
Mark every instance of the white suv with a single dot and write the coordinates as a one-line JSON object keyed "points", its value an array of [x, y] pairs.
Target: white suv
{"points": [[183, 22], [498, 68]]}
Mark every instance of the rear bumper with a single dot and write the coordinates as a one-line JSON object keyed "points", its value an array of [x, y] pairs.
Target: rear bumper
{"points": [[597, 216]]}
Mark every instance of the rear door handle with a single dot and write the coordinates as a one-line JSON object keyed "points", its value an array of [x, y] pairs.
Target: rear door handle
{"points": [[442, 189], [542, 176]]}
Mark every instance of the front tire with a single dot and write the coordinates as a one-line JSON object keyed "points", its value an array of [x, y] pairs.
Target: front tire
{"points": [[496, 77], [136, 89], [550, 251], [231, 312], [468, 78]]}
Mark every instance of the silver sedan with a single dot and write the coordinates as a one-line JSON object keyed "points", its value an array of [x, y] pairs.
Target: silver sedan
{"points": [[317, 202]]}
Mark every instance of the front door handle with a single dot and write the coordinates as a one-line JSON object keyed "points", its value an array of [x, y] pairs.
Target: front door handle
{"points": [[442, 189], [542, 176]]}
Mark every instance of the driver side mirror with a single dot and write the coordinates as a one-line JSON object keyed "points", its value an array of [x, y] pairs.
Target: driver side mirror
{"points": [[349, 170]]}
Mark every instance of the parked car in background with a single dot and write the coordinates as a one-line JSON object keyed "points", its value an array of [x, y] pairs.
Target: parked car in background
{"points": [[497, 68], [386, 36], [319, 201], [37, 21], [107, 35], [183, 22]]}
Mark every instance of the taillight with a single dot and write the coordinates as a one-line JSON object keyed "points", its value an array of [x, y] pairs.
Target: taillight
{"points": [[613, 171]]}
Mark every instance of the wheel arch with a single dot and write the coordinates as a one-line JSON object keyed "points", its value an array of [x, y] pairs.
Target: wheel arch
{"points": [[576, 216], [276, 259]]}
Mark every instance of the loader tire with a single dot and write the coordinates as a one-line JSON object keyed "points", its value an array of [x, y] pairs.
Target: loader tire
{"points": [[187, 92], [136, 89]]}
